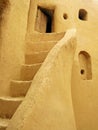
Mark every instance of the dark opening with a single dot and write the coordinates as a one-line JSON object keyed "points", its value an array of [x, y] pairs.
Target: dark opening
{"points": [[44, 20], [65, 16], [82, 14], [82, 71], [49, 24]]}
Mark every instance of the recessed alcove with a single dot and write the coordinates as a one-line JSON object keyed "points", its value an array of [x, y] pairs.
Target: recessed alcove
{"points": [[85, 65], [83, 15], [44, 20]]}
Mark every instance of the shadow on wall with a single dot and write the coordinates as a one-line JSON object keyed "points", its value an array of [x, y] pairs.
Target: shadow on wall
{"points": [[3, 6], [85, 65]]}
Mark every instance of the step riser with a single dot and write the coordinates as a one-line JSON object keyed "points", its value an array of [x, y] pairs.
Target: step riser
{"points": [[28, 72], [8, 108], [35, 58], [3, 128], [35, 47], [18, 89]]}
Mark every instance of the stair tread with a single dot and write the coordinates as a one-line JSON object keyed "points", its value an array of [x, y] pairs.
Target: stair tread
{"points": [[30, 65], [38, 52], [34, 47], [45, 36], [21, 81], [4, 122], [41, 42], [11, 98]]}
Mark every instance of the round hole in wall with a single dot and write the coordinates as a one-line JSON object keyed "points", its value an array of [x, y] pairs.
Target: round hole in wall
{"points": [[82, 71], [65, 16]]}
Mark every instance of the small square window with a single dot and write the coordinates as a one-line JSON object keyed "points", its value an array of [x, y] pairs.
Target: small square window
{"points": [[82, 14]]}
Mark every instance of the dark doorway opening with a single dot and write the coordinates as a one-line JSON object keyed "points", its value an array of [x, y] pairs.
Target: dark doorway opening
{"points": [[44, 20]]}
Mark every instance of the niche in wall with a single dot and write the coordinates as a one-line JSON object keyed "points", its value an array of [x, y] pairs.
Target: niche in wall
{"points": [[83, 14], [85, 65], [44, 20]]}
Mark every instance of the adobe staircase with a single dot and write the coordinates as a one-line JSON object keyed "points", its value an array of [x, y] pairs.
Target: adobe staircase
{"points": [[37, 47]]}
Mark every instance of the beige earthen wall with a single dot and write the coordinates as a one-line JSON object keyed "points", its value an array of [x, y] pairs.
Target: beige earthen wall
{"points": [[84, 92], [14, 25]]}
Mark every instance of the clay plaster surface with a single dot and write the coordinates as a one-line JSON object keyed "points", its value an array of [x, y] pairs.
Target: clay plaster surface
{"points": [[42, 107], [19, 20], [84, 92], [13, 25]]}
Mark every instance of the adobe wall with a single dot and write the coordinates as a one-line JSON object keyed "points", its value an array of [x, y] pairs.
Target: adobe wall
{"points": [[84, 92], [13, 30]]}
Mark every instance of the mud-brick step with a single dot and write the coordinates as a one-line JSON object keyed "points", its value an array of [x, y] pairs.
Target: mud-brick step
{"points": [[3, 123], [19, 88], [8, 106], [34, 58], [37, 37], [28, 71], [39, 46]]}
